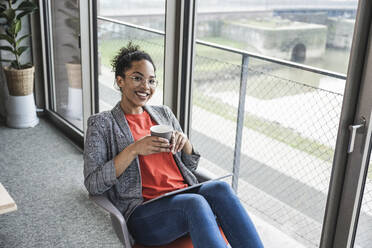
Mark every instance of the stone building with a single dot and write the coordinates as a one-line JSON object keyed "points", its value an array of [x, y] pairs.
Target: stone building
{"points": [[279, 38], [340, 32]]}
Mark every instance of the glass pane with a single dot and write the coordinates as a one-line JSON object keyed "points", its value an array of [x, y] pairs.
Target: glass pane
{"points": [[363, 234], [114, 35], [147, 13], [316, 33], [67, 87], [291, 114], [289, 138]]}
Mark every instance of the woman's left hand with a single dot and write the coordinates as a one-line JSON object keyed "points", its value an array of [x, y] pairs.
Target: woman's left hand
{"points": [[180, 141]]}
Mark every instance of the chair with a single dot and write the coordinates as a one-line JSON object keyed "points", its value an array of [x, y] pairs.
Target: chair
{"points": [[120, 226]]}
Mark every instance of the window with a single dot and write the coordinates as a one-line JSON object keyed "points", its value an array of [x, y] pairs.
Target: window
{"points": [[268, 87], [118, 23]]}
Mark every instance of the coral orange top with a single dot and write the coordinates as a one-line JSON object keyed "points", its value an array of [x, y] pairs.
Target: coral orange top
{"points": [[159, 171]]}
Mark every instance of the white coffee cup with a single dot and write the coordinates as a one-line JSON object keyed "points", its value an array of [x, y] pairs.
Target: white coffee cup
{"points": [[163, 131]]}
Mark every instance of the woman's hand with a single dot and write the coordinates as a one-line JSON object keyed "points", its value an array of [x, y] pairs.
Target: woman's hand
{"points": [[180, 141], [151, 144]]}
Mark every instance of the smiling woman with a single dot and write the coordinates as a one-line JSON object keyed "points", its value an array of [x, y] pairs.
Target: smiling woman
{"points": [[133, 69], [137, 85], [122, 160]]}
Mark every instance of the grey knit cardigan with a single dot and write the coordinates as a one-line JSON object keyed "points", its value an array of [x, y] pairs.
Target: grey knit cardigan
{"points": [[107, 135]]}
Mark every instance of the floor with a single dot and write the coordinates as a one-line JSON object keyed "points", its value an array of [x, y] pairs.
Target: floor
{"points": [[43, 172]]}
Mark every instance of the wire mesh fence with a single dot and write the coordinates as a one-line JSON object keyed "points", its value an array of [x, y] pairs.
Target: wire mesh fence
{"points": [[288, 140], [292, 159], [210, 114]]}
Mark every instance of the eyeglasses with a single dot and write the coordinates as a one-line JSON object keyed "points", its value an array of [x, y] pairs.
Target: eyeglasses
{"points": [[137, 80]]}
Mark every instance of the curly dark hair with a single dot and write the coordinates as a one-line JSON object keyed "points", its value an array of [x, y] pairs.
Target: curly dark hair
{"points": [[126, 55]]}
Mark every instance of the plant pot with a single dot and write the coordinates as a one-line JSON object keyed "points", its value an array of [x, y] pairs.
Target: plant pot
{"points": [[21, 111], [75, 92], [20, 107], [20, 82], [75, 103], [74, 75]]}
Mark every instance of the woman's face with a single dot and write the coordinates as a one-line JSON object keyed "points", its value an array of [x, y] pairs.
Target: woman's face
{"points": [[136, 87]]}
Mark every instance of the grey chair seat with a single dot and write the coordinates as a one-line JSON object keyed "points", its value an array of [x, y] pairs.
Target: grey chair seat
{"points": [[117, 219]]}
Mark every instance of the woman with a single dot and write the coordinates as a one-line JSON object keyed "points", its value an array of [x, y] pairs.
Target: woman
{"points": [[123, 161]]}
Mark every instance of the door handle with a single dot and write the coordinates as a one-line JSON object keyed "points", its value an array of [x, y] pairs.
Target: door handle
{"points": [[353, 130]]}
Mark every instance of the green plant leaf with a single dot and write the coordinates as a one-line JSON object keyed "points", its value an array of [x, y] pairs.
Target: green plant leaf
{"points": [[22, 38], [22, 14], [6, 60], [21, 49], [28, 6], [15, 65], [7, 38], [27, 65], [9, 14], [8, 32], [2, 7], [7, 48], [15, 27], [18, 26]]}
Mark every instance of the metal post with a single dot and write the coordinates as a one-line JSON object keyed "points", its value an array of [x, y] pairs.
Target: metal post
{"points": [[240, 122], [86, 59], [178, 64]]}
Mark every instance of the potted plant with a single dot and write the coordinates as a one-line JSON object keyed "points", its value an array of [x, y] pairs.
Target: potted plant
{"points": [[21, 111], [73, 67]]}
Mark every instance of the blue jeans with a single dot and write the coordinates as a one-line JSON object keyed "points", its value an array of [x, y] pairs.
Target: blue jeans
{"points": [[196, 212]]}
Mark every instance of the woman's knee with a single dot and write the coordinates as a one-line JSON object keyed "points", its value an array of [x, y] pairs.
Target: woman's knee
{"points": [[219, 187], [194, 205], [194, 201]]}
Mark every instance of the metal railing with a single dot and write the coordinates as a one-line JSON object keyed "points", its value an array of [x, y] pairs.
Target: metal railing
{"points": [[131, 25], [243, 81], [237, 51]]}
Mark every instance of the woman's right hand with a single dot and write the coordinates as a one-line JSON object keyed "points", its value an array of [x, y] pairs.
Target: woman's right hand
{"points": [[150, 145]]}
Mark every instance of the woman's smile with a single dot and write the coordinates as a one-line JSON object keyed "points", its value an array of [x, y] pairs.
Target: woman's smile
{"points": [[136, 86], [142, 95]]}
